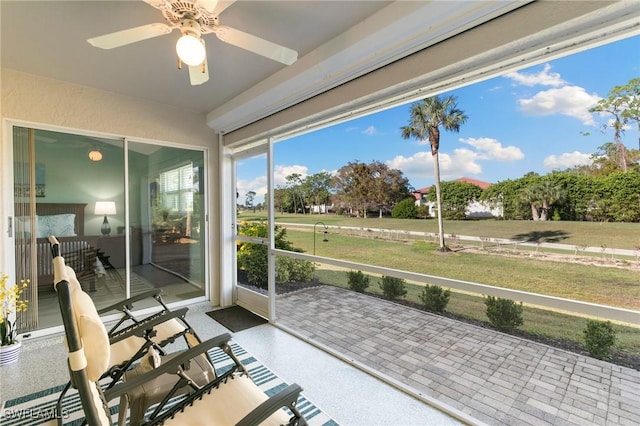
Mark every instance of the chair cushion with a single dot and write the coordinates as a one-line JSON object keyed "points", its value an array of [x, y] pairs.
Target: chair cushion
{"points": [[95, 340], [227, 405], [125, 349]]}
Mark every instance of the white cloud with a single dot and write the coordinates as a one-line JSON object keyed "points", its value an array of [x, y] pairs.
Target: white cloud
{"points": [[420, 165], [566, 160], [491, 149], [257, 185], [542, 78], [281, 172], [572, 101], [370, 131]]}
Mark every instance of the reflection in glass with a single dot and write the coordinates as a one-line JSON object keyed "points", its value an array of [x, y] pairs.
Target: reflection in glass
{"points": [[166, 217]]}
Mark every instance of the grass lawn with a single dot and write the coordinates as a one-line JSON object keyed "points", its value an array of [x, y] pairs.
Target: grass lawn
{"points": [[593, 234], [597, 284], [607, 286]]}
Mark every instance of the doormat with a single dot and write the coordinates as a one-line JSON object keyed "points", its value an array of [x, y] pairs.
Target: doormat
{"points": [[236, 318], [40, 408]]}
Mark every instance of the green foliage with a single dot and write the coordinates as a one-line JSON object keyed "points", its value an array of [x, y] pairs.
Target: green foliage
{"points": [[370, 187], [504, 314], [599, 338], [405, 209], [393, 287], [574, 195], [434, 298], [357, 281], [253, 258], [456, 196], [290, 270]]}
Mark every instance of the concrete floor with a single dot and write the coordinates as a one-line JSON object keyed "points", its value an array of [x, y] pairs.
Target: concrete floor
{"points": [[347, 394]]}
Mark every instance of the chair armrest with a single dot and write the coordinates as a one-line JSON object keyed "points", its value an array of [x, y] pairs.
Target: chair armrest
{"points": [[128, 303], [142, 328], [171, 366], [287, 397]]}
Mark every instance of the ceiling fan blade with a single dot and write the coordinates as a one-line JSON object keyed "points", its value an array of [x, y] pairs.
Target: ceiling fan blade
{"points": [[158, 4], [208, 5], [199, 74], [132, 35], [256, 45], [217, 8]]}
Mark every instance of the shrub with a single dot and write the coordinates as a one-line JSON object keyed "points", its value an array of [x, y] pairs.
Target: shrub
{"points": [[434, 298], [405, 209], [504, 314], [599, 338], [252, 257], [290, 270], [393, 287], [358, 281]]}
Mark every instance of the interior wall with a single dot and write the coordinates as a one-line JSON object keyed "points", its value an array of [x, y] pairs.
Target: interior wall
{"points": [[57, 105]]}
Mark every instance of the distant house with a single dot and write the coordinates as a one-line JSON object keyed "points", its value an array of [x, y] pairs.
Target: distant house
{"points": [[475, 209]]}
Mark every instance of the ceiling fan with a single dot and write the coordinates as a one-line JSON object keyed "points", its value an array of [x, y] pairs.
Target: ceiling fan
{"points": [[195, 18]]}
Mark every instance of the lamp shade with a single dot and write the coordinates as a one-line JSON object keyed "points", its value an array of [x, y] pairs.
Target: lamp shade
{"points": [[190, 50], [105, 208]]}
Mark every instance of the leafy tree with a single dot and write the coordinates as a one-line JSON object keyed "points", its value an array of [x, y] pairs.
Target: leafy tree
{"points": [[507, 194], [294, 180], [318, 188], [616, 197], [456, 196], [405, 209], [249, 200], [623, 103], [352, 183], [427, 116], [389, 186], [365, 186]]}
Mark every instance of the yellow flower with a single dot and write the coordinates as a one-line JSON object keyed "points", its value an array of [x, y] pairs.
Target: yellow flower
{"points": [[11, 300]]}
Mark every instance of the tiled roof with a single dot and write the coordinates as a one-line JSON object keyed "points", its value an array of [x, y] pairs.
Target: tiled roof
{"points": [[480, 183]]}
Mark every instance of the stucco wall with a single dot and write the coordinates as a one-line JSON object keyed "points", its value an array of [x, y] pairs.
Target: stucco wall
{"points": [[72, 108]]}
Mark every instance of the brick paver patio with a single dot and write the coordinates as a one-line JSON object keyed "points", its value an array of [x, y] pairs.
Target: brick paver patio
{"points": [[495, 378]]}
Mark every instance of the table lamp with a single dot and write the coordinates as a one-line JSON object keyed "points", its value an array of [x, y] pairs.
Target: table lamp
{"points": [[105, 208]]}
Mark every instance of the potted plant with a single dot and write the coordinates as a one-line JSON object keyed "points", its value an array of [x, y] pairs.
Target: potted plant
{"points": [[11, 302]]}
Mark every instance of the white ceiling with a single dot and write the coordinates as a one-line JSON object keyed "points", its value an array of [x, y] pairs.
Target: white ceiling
{"points": [[49, 38], [336, 41]]}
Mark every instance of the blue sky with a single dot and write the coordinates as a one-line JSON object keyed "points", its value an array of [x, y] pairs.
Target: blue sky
{"points": [[532, 120]]}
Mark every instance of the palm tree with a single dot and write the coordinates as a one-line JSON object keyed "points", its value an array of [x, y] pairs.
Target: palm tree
{"points": [[541, 195], [426, 118]]}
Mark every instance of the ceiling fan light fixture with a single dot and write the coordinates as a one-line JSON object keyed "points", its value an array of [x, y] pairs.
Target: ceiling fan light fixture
{"points": [[190, 49]]}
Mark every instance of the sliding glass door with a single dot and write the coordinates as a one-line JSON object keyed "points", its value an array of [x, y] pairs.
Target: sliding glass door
{"points": [[167, 220], [128, 220], [71, 187]]}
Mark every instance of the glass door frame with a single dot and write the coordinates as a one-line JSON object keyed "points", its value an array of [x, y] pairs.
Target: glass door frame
{"points": [[248, 299]]}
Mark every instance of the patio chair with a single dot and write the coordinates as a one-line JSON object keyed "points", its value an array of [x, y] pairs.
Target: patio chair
{"points": [[230, 397], [131, 337]]}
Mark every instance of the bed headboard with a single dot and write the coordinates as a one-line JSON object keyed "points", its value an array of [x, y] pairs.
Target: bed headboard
{"points": [[46, 209]]}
